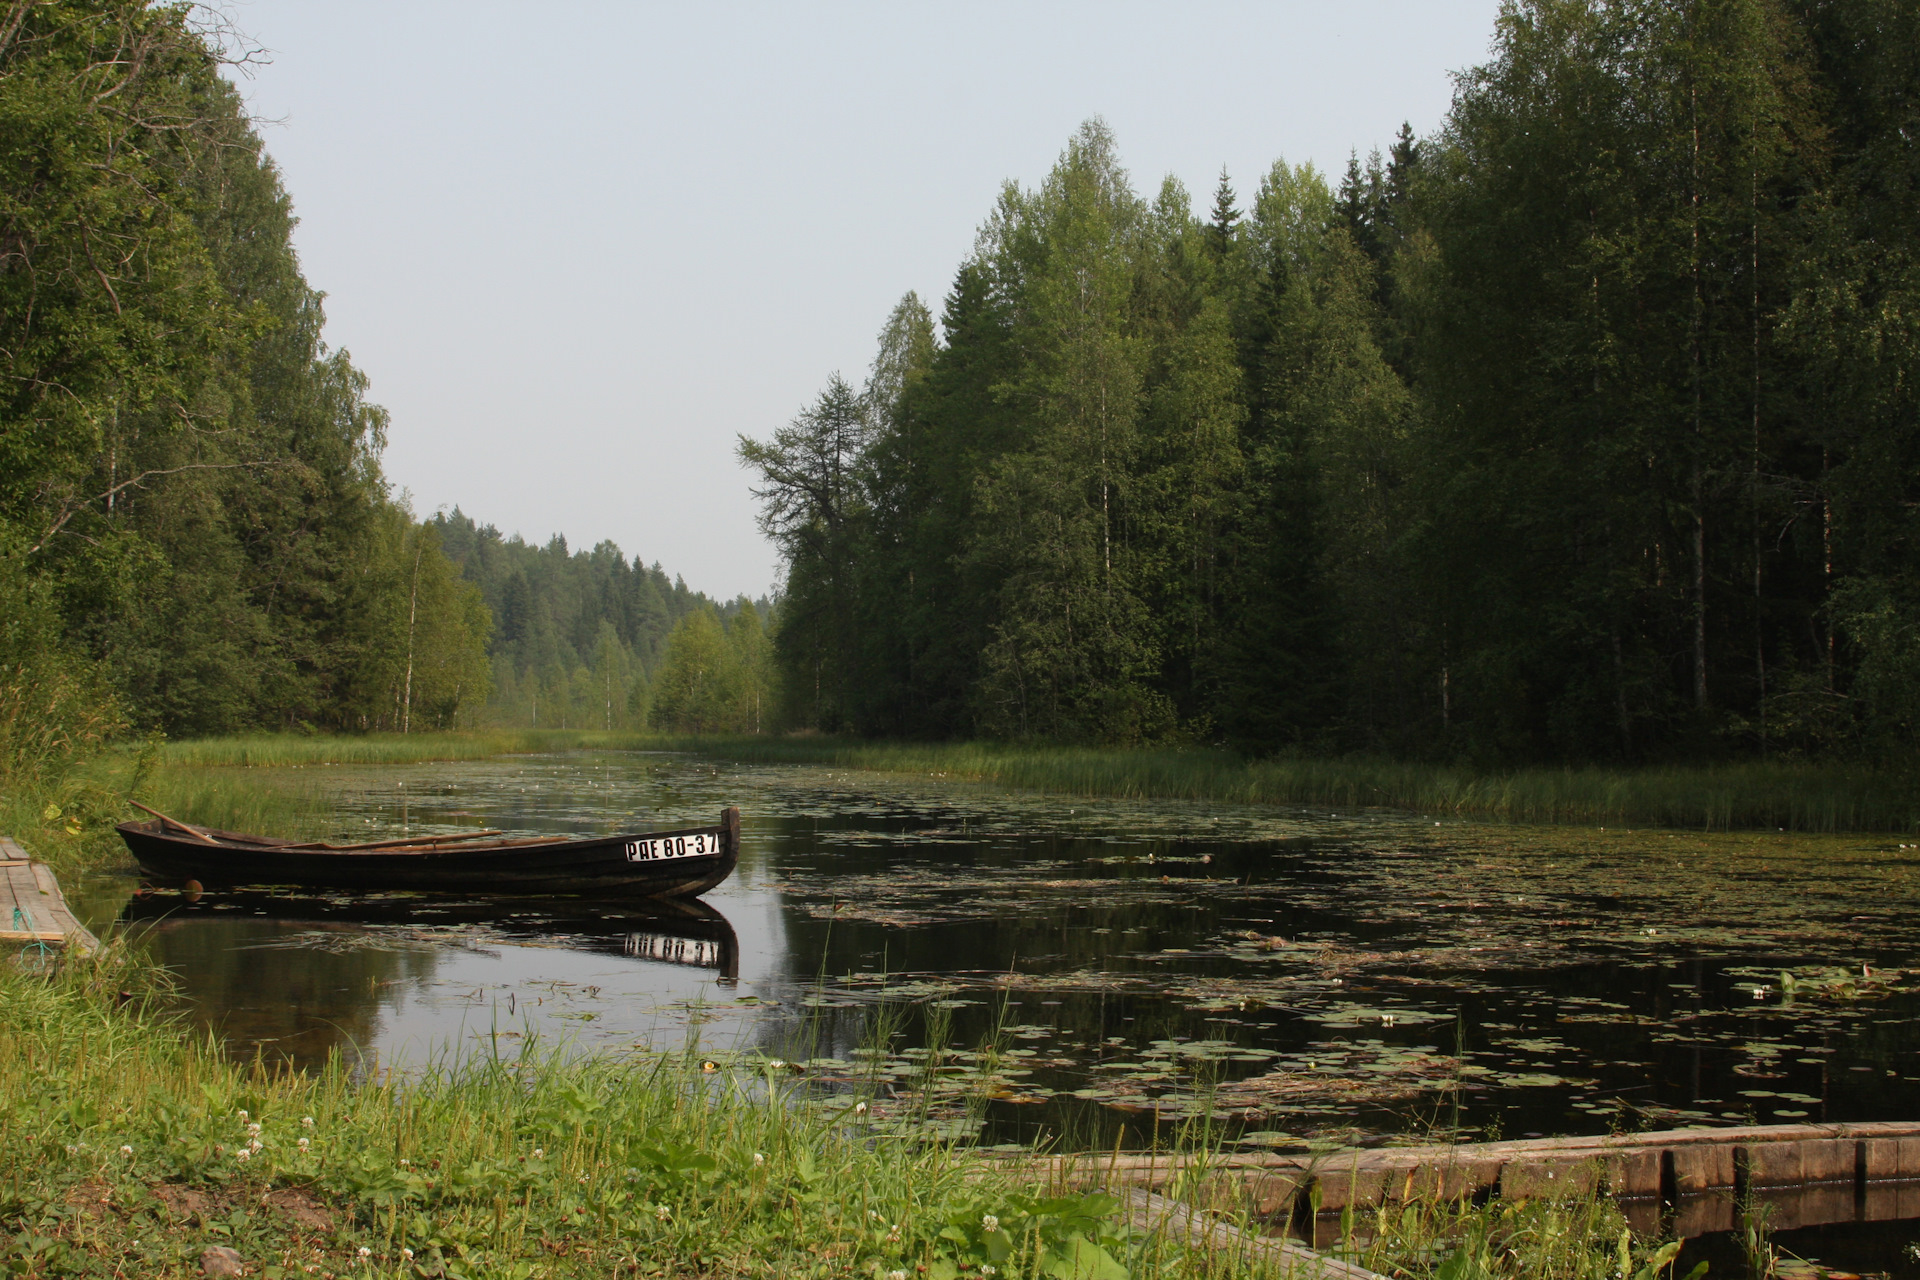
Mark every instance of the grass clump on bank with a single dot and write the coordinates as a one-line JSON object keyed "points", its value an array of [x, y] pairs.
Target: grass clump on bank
{"points": [[131, 1151]]}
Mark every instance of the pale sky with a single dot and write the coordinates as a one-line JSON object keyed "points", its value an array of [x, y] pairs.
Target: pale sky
{"points": [[579, 247]]}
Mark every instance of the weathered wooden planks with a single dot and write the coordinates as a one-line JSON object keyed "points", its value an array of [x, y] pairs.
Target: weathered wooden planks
{"points": [[32, 908], [1288, 1258], [1853, 1160]]}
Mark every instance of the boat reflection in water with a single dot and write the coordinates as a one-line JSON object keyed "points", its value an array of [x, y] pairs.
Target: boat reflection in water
{"points": [[290, 974]]}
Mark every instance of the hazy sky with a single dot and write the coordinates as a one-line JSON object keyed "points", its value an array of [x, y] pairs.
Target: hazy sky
{"points": [[578, 247]]}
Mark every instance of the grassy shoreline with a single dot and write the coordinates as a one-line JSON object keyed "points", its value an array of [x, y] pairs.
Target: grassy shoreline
{"points": [[132, 1150], [1814, 797]]}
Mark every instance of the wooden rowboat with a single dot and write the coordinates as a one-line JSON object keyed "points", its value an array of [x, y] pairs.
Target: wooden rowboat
{"points": [[655, 864]]}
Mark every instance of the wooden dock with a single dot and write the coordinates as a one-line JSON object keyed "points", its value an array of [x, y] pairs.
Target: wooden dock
{"points": [[32, 908], [1809, 1173]]}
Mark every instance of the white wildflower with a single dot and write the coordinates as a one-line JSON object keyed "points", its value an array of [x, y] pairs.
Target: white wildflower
{"points": [[243, 1115], [859, 1108], [256, 1145], [539, 1153], [302, 1144], [758, 1159], [989, 1222], [306, 1122], [254, 1128], [896, 1275], [406, 1253], [243, 1155], [365, 1252], [125, 1150], [404, 1162], [986, 1268], [662, 1212]]}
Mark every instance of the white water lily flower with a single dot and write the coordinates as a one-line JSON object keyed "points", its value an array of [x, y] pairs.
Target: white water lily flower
{"points": [[989, 1222]]}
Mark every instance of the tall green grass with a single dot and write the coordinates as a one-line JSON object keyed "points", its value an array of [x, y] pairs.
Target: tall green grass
{"points": [[287, 750], [1798, 796], [537, 1163], [542, 1163], [1769, 796]]}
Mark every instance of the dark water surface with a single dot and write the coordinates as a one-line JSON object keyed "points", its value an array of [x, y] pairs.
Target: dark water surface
{"points": [[1313, 977]]}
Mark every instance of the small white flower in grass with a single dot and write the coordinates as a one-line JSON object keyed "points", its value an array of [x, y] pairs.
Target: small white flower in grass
{"points": [[662, 1212], [989, 1222], [365, 1252], [256, 1145], [896, 1275], [243, 1115], [126, 1150], [404, 1162], [539, 1153], [758, 1159], [306, 1122], [859, 1108], [243, 1155], [302, 1144], [987, 1269], [406, 1253], [72, 1150], [254, 1128]]}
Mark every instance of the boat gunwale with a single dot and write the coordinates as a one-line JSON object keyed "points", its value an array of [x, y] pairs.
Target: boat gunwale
{"points": [[237, 842]]}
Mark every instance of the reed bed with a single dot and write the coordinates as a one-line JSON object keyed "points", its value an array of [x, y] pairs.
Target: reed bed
{"points": [[1765, 796], [1826, 797]]}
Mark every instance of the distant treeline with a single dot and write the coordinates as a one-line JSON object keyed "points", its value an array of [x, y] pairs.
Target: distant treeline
{"points": [[195, 535], [591, 640], [1585, 427]]}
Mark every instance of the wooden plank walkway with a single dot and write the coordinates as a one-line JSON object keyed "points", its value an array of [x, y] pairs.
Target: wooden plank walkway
{"points": [[32, 908], [1288, 1258], [1856, 1160]]}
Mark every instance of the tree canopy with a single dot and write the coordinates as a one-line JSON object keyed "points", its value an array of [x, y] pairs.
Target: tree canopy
{"points": [[1583, 428]]}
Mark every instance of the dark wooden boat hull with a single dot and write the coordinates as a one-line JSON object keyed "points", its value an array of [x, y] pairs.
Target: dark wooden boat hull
{"points": [[589, 865]]}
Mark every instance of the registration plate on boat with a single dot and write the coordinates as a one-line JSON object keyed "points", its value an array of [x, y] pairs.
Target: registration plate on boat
{"points": [[654, 848]]}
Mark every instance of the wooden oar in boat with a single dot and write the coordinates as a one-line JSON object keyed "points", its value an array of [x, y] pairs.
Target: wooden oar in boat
{"points": [[194, 831]]}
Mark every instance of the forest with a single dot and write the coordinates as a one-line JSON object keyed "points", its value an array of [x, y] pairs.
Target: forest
{"points": [[1580, 430], [196, 536]]}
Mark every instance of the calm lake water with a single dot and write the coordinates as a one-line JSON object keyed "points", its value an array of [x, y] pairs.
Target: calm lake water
{"points": [[1320, 978]]}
